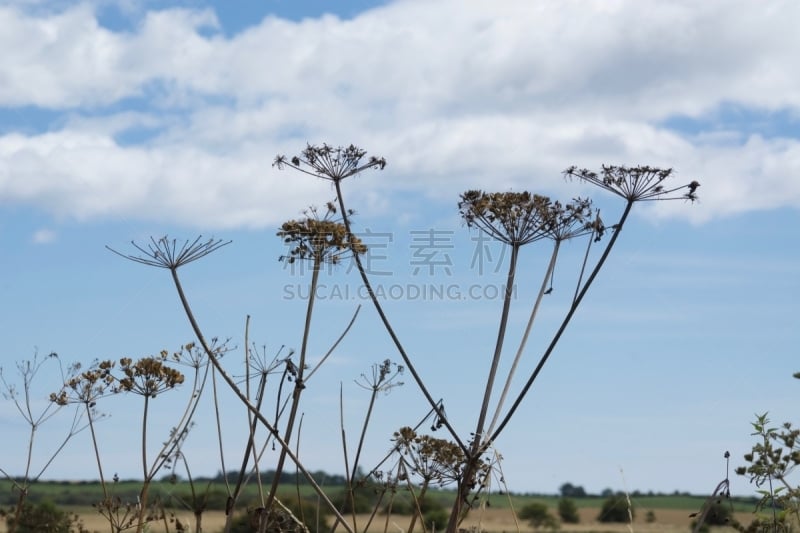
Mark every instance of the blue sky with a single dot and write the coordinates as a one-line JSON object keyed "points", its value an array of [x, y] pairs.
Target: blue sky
{"points": [[121, 121]]}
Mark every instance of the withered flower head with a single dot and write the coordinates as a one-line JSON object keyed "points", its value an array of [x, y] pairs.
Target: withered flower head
{"points": [[384, 377], [570, 220], [319, 239], [330, 163], [640, 183], [438, 460], [148, 376], [87, 386], [515, 218]]}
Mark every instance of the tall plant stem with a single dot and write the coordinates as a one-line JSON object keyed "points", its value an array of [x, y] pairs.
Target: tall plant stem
{"points": [[146, 480], [390, 330], [473, 457], [298, 387], [253, 409], [498, 349], [97, 454], [547, 276], [564, 323], [364, 431]]}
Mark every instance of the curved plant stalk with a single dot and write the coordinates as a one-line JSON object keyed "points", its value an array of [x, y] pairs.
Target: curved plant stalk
{"points": [[240, 395], [336, 164], [388, 326]]}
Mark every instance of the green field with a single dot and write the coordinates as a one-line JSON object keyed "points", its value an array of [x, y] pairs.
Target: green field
{"points": [[672, 512]]}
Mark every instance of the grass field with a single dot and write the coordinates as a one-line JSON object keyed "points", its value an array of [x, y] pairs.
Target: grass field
{"points": [[671, 511], [492, 520]]}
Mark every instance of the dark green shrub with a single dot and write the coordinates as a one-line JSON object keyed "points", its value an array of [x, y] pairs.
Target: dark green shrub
{"points": [[538, 515], [568, 511], [44, 517], [306, 511], [436, 519], [650, 517], [615, 509], [719, 514]]}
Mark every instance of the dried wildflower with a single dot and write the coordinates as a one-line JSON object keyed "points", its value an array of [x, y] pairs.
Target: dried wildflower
{"points": [[641, 183], [383, 377], [330, 163], [166, 253], [148, 376], [194, 356], [436, 460], [319, 239], [86, 387], [566, 221], [515, 218]]}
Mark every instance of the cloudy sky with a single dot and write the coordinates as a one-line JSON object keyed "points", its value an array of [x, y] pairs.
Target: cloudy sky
{"points": [[125, 120]]}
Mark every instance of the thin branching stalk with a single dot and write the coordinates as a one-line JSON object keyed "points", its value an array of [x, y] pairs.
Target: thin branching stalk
{"points": [[335, 165], [390, 330], [349, 481], [96, 452], [235, 389], [335, 344], [501, 334], [298, 387], [633, 184], [583, 265], [542, 290], [162, 254], [565, 322]]}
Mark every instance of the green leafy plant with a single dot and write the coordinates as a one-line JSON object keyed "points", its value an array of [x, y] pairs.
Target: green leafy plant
{"points": [[568, 511], [44, 517], [538, 516], [769, 466], [616, 508]]}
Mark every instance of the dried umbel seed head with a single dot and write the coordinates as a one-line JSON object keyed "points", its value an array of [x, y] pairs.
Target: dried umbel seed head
{"points": [[148, 376], [319, 239], [86, 386], [170, 254], [330, 163], [515, 218], [635, 184]]}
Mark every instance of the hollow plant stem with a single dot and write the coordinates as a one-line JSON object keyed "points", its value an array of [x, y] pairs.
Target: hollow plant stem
{"points": [[143, 494], [473, 457], [565, 322], [547, 276], [97, 454]]}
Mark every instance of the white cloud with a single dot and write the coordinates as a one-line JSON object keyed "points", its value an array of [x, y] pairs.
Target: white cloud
{"points": [[44, 236], [455, 95]]}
